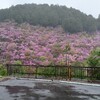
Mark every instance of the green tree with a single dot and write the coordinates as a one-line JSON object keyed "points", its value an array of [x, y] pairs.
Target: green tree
{"points": [[72, 25], [94, 58], [94, 61], [70, 19], [98, 23]]}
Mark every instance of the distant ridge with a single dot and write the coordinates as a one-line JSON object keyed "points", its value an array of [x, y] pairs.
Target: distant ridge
{"points": [[70, 19]]}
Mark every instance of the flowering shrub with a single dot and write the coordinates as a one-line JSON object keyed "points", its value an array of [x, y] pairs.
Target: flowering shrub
{"points": [[44, 46]]}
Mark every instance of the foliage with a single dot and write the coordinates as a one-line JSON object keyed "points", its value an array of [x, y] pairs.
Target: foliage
{"points": [[70, 19], [94, 58], [3, 70], [94, 61], [72, 25], [18, 62], [52, 71]]}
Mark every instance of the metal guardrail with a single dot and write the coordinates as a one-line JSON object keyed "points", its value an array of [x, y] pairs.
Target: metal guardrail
{"points": [[57, 71]]}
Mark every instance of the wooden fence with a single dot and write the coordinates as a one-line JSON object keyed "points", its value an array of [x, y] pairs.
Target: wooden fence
{"points": [[55, 72]]}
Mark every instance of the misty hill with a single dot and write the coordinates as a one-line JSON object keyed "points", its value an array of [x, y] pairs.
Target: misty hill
{"points": [[70, 19]]}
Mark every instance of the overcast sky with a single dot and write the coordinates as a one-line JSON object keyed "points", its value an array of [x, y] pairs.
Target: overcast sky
{"points": [[87, 6]]}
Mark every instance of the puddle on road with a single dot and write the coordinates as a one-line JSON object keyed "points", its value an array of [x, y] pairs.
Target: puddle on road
{"points": [[33, 90]]}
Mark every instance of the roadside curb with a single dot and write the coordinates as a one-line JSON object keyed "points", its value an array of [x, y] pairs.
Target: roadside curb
{"points": [[60, 81], [79, 83]]}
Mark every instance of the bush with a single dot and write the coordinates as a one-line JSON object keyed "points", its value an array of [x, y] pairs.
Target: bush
{"points": [[3, 70], [94, 61], [53, 71], [94, 58]]}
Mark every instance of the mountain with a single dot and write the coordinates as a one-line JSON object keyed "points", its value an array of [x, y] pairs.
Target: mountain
{"points": [[70, 19]]}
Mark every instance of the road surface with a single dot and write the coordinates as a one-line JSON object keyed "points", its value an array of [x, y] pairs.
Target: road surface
{"points": [[27, 89]]}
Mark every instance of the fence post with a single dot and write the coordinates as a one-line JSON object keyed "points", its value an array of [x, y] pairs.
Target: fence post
{"points": [[55, 72], [36, 72], [90, 74], [7, 69], [69, 73]]}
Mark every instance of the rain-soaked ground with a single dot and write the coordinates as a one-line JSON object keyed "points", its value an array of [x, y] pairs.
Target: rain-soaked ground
{"points": [[28, 89]]}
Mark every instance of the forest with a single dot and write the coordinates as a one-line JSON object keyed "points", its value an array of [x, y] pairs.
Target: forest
{"points": [[70, 19]]}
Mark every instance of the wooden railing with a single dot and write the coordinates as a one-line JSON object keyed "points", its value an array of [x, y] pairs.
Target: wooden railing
{"points": [[55, 72]]}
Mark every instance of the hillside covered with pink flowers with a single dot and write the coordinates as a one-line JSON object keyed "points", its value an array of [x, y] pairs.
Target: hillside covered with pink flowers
{"points": [[44, 45]]}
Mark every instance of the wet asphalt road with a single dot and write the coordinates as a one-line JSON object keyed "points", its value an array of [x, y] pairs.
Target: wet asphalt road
{"points": [[24, 89]]}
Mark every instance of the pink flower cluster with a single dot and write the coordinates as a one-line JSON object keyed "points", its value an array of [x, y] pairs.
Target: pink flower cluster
{"points": [[45, 46]]}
